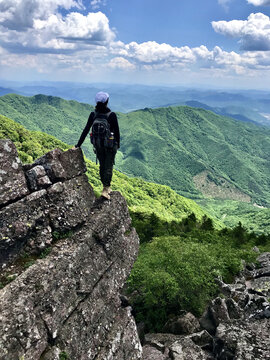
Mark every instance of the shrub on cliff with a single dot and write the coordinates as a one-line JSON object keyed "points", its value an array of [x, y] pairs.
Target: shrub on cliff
{"points": [[178, 273]]}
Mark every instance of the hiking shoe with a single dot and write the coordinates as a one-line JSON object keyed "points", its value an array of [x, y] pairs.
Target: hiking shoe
{"points": [[105, 192]]}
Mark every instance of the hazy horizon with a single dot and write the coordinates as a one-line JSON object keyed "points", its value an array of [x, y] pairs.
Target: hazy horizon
{"points": [[4, 83]]}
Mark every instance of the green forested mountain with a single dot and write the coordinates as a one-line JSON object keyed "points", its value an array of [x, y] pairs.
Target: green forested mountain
{"points": [[194, 151], [53, 115]]}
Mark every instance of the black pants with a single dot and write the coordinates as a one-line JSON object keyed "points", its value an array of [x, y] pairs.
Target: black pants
{"points": [[106, 158]]}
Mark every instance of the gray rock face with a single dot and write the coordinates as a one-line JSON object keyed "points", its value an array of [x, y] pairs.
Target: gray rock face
{"points": [[242, 340], [12, 179], [177, 347], [53, 205], [243, 325], [67, 302], [150, 353]]}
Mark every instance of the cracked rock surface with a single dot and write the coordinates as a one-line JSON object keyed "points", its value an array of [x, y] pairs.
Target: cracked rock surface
{"points": [[67, 302]]}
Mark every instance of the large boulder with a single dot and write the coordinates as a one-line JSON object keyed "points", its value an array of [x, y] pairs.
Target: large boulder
{"points": [[65, 302], [55, 204], [243, 340], [182, 325], [178, 347]]}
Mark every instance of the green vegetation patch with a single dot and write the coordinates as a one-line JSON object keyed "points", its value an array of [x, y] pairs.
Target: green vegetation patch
{"points": [[253, 217], [174, 273], [64, 355]]}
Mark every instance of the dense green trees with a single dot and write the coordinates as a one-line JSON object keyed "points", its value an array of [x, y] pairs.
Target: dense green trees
{"points": [[178, 272]]}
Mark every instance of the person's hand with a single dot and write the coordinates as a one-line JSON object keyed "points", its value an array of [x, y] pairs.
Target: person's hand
{"points": [[73, 148]]}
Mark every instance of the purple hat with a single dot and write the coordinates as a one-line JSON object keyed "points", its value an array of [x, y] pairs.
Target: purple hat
{"points": [[101, 97]]}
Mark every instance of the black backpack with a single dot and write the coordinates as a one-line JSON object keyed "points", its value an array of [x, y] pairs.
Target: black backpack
{"points": [[101, 135]]}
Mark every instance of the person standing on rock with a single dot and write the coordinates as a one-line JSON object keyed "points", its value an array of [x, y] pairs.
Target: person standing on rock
{"points": [[105, 137]]}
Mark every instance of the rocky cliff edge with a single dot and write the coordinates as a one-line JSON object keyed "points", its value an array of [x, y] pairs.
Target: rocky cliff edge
{"points": [[64, 257]]}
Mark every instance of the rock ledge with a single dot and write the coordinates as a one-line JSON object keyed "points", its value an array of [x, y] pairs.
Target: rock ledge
{"points": [[67, 300]]}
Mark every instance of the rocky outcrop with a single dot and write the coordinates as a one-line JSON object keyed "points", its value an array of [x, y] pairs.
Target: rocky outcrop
{"points": [[65, 256], [235, 325], [12, 179]]}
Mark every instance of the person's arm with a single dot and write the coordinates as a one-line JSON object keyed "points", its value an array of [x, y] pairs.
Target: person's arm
{"points": [[86, 129], [115, 128]]}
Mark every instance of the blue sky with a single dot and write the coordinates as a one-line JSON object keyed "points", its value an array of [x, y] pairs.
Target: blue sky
{"points": [[178, 22], [224, 43]]}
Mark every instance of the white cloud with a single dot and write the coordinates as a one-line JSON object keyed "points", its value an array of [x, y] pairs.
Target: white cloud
{"points": [[259, 2], [215, 63], [21, 14], [151, 52], [254, 33], [60, 34], [224, 3], [152, 56], [97, 3], [119, 63], [93, 27]]}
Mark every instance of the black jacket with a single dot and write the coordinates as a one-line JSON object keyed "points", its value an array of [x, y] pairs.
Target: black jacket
{"points": [[113, 122]]}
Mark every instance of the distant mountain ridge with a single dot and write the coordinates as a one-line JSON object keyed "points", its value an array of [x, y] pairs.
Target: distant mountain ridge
{"points": [[242, 105], [4, 91], [225, 112], [189, 141]]}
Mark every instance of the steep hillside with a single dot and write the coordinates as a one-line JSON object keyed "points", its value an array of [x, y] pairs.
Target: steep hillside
{"points": [[142, 197], [194, 141], [206, 155], [52, 115]]}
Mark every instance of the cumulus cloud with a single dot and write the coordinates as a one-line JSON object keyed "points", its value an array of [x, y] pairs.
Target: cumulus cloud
{"points": [[259, 2], [122, 57], [56, 33], [119, 63], [151, 56], [21, 14], [152, 52], [93, 28], [254, 33]]}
